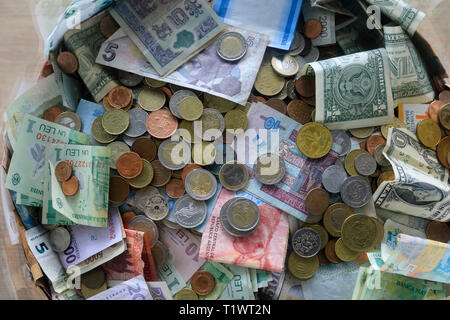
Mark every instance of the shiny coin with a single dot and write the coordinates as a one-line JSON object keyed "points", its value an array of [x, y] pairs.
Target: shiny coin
{"points": [[268, 82], [212, 124], [204, 153], [443, 152], [70, 187], [202, 282], [365, 164], [316, 201], [144, 178], [285, 65], [161, 124], [144, 224], [306, 86], [137, 123], [303, 268], [397, 123], [174, 103], [145, 148], [115, 121], [160, 254], [153, 83], [174, 155], [226, 224], [428, 133], [314, 140], [190, 108], [119, 189], [161, 176], [349, 162], [334, 218], [200, 184], [233, 176], [67, 62], [362, 133], [63, 171], [356, 192], [236, 121], [330, 252], [312, 28], [231, 46], [117, 149], [120, 97], [175, 188], [438, 231], [277, 104], [343, 252], [306, 242], [444, 116], [185, 294], [269, 168], [341, 142], [157, 208], [129, 79], [220, 104], [322, 233], [333, 177], [359, 232], [108, 26], [373, 142], [151, 99], [243, 214], [59, 239], [51, 113], [300, 111], [189, 213], [69, 119], [129, 165]]}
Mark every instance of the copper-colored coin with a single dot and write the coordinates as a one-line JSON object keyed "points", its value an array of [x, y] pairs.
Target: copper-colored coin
{"points": [[261, 99], [126, 217], [67, 62], [203, 282], [175, 188], [119, 97], [129, 165], [63, 171], [373, 142], [443, 150], [196, 232], [108, 26], [310, 100], [444, 96], [299, 111], [167, 92], [363, 145], [51, 113], [70, 187], [145, 148], [444, 116], [161, 175], [330, 252], [119, 189], [306, 86], [322, 257], [312, 28], [434, 108], [277, 104], [188, 169], [161, 124], [438, 231], [362, 258], [317, 201], [386, 176], [47, 70]]}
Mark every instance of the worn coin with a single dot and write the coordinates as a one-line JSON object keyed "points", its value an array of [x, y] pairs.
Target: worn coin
{"points": [[359, 232], [117, 149], [303, 268], [322, 233], [438, 231], [160, 254], [115, 121], [314, 140], [349, 162], [220, 104], [306, 86], [129, 165], [63, 171], [316, 201], [397, 123], [379, 156], [306, 242], [175, 188], [157, 208], [129, 79], [386, 176], [174, 155], [93, 279], [120, 97], [67, 62], [161, 124], [185, 294], [365, 164], [151, 99], [268, 82], [333, 177], [202, 282], [335, 216], [343, 252], [233, 176], [190, 108], [231, 46], [144, 178], [277, 104], [119, 189], [162, 175], [69, 119], [212, 124], [204, 153], [285, 65], [51, 113], [189, 213], [342, 142], [243, 214], [108, 26], [200, 184], [299, 111], [356, 192], [236, 121], [373, 142], [443, 152], [444, 116], [59, 239], [362, 133], [330, 251], [428, 133], [312, 28], [145, 224], [153, 83], [137, 123], [70, 186], [269, 168], [145, 148]]}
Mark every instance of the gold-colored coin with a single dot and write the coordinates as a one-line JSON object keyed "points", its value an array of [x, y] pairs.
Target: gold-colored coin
{"points": [[153, 83], [359, 232], [236, 121], [397, 123], [220, 104], [334, 218], [151, 99], [88, 292], [314, 140], [144, 178], [268, 82], [428, 133], [190, 108], [203, 153], [362, 133], [385, 176], [349, 162], [186, 131], [343, 252], [303, 268], [323, 234], [185, 294]]}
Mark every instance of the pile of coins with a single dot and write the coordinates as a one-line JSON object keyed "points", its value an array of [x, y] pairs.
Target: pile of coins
{"points": [[202, 283], [69, 182]]}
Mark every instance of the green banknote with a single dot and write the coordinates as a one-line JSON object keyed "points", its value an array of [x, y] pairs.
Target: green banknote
{"points": [[85, 43], [25, 200], [90, 164], [27, 169], [222, 277], [169, 273], [240, 287]]}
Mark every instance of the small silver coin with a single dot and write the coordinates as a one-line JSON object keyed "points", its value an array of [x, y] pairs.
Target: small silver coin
{"points": [[226, 224], [307, 49], [137, 126], [306, 242], [117, 148], [200, 184], [129, 79], [174, 155], [69, 119], [60, 239], [365, 164], [243, 214], [158, 208], [189, 213], [313, 55], [269, 169], [231, 46], [333, 177], [175, 100], [379, 156], [298, 44], [342, 142], [356, 192]]}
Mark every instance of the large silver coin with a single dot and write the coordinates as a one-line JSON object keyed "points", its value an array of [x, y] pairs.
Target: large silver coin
{"points": [[298, 44], [137, 127], [189, 213], [225, 223], [306, 242], [174, 155], [379, 156], [333, 177], [233, 175], [365, 164], [200, 184], [59, 239], [342, 142], [158, 208], [212, 124], [269, 169], [117, 148], [356, 192], [175, 100], [69, 119], [243, 214], [129, 79], [313, 55], [231, 46], [141, 198]]}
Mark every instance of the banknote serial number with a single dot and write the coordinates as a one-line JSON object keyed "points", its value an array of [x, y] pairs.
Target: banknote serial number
{"points": [[46, 138], [85, 164]]}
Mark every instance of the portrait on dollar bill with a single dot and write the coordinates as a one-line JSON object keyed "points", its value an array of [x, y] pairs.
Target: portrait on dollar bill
{"points": [[418, 194]]}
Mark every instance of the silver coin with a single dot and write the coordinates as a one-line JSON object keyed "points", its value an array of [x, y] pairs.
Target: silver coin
{"points": [[308, 46], [129, 79], [379, 156], [174, 155], [243, 214], [225, 223], [189, 213], [306, 242], [233, 176], [142, 197], [177, 97], [117, 148], [137, 126], [291, 91], [333, 177], [342, 142], [170, 224], [313, 55], [269, 169], [356, 192], [69, 119], [200, 184], [212, 124], [234, 41], [298, 44], [157, 208], [59, 239], [301, 64], [365, 164]]}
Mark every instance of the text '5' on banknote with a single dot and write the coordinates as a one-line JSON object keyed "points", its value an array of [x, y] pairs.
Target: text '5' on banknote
{"points": [[168, 33]]}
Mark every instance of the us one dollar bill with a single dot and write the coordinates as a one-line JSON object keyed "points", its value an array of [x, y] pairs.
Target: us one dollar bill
{"points": [[84, 43], [27, 169], [326, 18], [353, 91], [168, 33], [404, 219], [409, 79], [420, 187]]}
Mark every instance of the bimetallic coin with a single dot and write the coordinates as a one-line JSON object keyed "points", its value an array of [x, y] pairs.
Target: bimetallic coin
{"points": [[185, 294], [365, 164], [397, 123], [151, 99], [160, 254], [117, 149], [157, 208], [335, 216], [226, 224], [379, 156], [119, 189], [306, 242], [144, 178], [59, 239], [268, 82], [359, 232], [349, 162], [333, 177], [204, 153], [200, 184], [231, 46], [269, 168], [342, 143], [428, 133], [189, 213], [233, 176], [115, 121], [212, 124], [362, 133], [356, 192], [190, 108], [236, 121], [303, 268], [174, 155], [314, 140], [345, 253], [285, 65], [137, 123], [69, 119], [63, 171], [178, 96], [144, 224], [129, 79], [243, 214]]}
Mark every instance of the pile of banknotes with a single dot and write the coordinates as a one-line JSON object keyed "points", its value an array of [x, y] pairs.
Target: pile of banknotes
{"points": [[224, 151]]}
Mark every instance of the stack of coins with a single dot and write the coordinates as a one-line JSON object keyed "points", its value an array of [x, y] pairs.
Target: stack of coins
{"points": [[239, 216], [69, 182]]}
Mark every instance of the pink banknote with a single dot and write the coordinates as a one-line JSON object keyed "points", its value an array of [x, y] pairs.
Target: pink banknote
{"points": [[264, 248]]}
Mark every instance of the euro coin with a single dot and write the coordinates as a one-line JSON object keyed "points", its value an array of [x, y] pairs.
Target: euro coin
{"points": [[144, 178], [269, 168], [200, 184], [115, 121], [231, 46], [233, 176], [243, 214], [191, 108]]}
